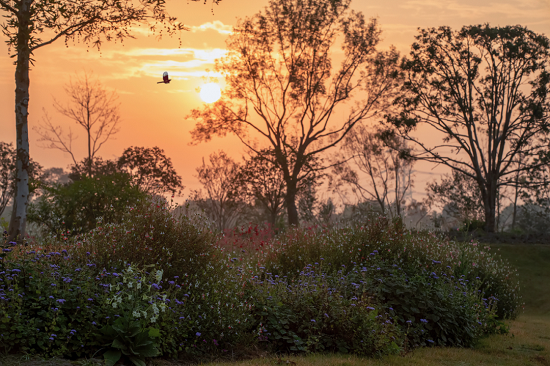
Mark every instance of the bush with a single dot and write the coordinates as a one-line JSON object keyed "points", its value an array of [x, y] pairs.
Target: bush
{"points": [[147, 234], [315, 313], [75, 208], [55, 306]]}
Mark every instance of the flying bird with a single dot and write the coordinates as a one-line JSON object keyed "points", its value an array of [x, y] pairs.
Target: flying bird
{"points": [[165, 79]]}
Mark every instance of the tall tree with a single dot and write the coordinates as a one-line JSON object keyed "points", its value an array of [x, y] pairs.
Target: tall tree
{"points": [[281, 85], [458, 194], [380, 155], [218, 179], [486, 90], [93, 109], [261, 180], [82, 19], [7, 175]]}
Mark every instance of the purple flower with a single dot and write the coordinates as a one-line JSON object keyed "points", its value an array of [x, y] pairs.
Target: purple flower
{"points": [[115, 274], [6, 250], [198, 334], [423, 320], [326, 315], [90, 299], [61, 301], [370, 308], [313, 320]]}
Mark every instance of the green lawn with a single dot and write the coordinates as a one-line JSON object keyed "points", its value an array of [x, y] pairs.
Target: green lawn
{"points": [[533, 263]]}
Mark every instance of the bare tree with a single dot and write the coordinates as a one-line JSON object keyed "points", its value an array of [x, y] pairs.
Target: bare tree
{"points": [[89, 20], [92, 108], [281, 85], [486, 90], [218, 180], [379, 155]]}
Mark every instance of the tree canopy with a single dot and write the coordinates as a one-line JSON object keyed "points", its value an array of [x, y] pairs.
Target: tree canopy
{"points": [[282, 86], [485, 89]]}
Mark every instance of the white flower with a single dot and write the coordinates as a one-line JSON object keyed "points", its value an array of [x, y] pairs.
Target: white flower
{"points": [[114, 305], [138, 286], [136, 313], [153, 319], [129, 297], [155, 309], [144, 314], [129, 284], [159, 275]]}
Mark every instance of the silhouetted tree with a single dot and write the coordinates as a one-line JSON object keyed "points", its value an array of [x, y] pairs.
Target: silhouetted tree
{"points": [[281, 84], [379, 155], [93, 109], [218, 180], [486, 90]]}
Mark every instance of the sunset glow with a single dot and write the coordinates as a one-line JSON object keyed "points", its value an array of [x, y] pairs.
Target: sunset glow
{"points": [[133, 68], [210, 92]]}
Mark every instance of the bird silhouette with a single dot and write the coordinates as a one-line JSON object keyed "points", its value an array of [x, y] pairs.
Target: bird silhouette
{"points": [[165, 79]]}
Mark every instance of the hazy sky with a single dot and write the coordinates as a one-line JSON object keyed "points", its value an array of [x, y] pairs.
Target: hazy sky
{"points": [[153, 115]]}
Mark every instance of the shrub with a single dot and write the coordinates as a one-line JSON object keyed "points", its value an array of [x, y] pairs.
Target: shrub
{"points": [[74, 208], [315, 313], [55, 306], [434, 307], [149, 234]]}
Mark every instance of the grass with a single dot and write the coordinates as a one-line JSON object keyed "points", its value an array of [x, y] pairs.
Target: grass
{"points": [[533, 266]]}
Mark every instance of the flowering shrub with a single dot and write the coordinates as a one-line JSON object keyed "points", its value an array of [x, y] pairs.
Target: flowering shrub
{"points": [[53, 305], [412, 251], [149, 234], [315, 312]]}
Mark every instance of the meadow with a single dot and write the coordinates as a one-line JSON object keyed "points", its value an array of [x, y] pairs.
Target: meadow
{"points": [[158, 290]]}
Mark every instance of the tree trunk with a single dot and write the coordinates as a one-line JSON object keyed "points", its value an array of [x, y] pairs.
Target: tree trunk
{"points": [[290, 200], [19, 213], [490, 203]]}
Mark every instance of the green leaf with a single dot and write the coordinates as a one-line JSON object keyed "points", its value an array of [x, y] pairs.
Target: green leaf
{"points": [[111, 357], [153, 332], [137, 360], [118, 344]]}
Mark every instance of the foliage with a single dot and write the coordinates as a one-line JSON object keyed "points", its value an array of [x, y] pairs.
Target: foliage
{"points": [[315, 313], [148, 233], [98, 167], [458, 195], [279, 70], [130, 340], [151, 169], [7, 175], [485, 107], [411, 251], [53, 304], [221, 202], [75, 208]]}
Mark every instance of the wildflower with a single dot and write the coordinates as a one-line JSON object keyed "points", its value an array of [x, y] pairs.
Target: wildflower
{"points": [[423, 320], [313, 320], [61, 301], [198, 334]]}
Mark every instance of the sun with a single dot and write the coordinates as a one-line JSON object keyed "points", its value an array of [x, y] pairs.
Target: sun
{"points": [[210, 92]]}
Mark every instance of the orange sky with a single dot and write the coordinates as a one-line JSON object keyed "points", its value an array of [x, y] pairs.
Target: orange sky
{"points": [[153, 115]]}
